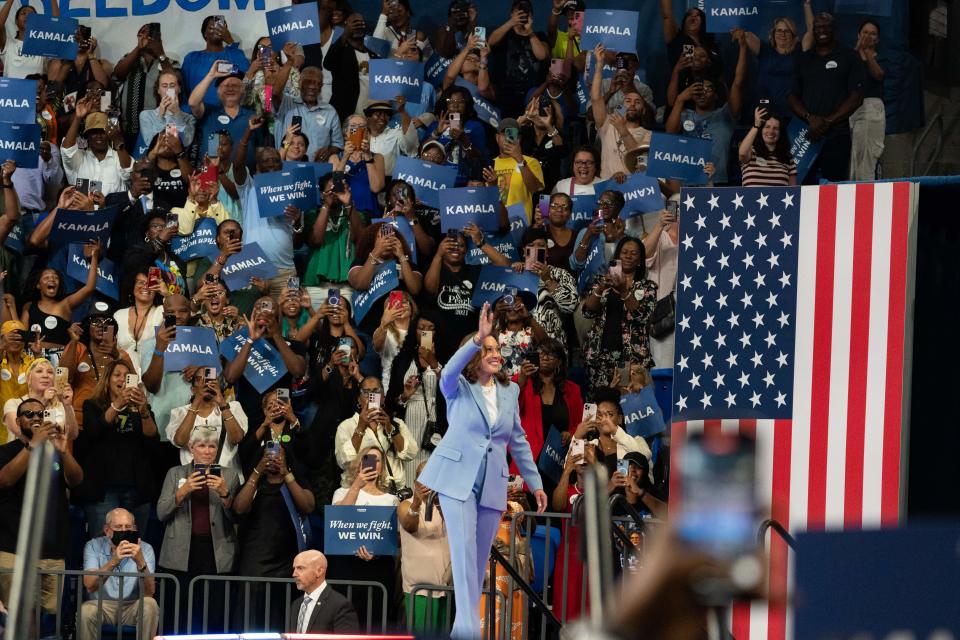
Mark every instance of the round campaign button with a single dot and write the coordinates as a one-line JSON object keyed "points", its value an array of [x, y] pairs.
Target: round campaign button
{"points": [[175, 173], [83, 367], [50, 322], [689, 125], [223, 119], [284, 438], [506, 351], [435, 439], [5, 374]]}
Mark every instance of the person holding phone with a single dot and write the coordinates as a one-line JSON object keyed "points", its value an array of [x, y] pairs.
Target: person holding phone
{"points": [[202, 202], [208, 410], [394, 26], [143, 315], [363, 169], [274, 502], [14, 360], [194, 506], [105, 157], [518, 176], [166, 94], [374, 425], [764, 153], [450, 280], [115, 446], [152, 253], [93, 346], [367, 483], [548, 399], [559, 212], [469, 468], [624, 299], [216, 311], [112, 600], [609, 229], [471, 64], [219, 46], [168, 153], [395, 322], [518, 57], [15, 64], [269, 68], [557, 290], [412, 393], [318, 121], [459, 130], [542, 123], [661, 248], [40, 379]]}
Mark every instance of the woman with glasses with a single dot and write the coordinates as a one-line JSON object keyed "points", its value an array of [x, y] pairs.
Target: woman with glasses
{"points": [[155, 251], [560, 237], [216, 312], [586, 169], [90, 352], [619, 303], [610, 231], [777, 56], [114, 447]]}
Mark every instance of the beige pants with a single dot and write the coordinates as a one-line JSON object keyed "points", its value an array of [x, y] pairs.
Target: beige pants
{"points": [[89, 626], [868, 126], [49, 593]]}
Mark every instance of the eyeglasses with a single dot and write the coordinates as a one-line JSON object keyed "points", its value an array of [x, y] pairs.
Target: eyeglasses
{"points": [[605, 204], [557, 206], [459, 101], [583, 163], [783, 32], [158, 226], [27, 413]]}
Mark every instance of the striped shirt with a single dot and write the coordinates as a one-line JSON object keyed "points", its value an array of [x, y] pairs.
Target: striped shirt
{"points": [[767, 172]]}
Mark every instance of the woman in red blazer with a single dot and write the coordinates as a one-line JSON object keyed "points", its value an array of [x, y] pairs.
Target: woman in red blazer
{"points": [[547, 398]]}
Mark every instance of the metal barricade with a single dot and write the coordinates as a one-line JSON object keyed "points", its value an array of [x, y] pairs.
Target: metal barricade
{"points": [[243, 608], [75, 591]]}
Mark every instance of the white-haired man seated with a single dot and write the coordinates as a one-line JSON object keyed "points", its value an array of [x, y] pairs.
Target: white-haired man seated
{"points": [[119, 549]]}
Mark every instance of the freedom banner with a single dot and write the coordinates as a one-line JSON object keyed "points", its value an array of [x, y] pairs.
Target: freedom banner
{"points": [[641, 194], [78, 268], [251, 262], [553, 455], [678, 158], [485, 109], [426, 178], [202, 243], [50, 36], [390, 78], [264, 364], [20, 143], [477, 205], [18, 102], [192, 346], [348, 527], [582, 213], [617, 30], [804, 150], [435, 70], [723, 16], [319, 169], [377, 46], [504, 243], [494, 283], [279, 189], [298, 23], [385, 279], [641, 413], [80, 227]]}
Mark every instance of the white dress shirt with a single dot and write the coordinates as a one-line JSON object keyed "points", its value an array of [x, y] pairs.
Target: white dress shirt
{"points": [[314, 596], [345, 453], [81, 163], [392, 143]]}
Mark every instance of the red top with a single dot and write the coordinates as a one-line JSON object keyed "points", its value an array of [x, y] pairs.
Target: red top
{"points": [[200, 512], [531, 417]]}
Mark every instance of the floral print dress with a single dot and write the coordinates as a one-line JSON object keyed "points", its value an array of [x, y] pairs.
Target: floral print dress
{"points": [[635, 344]]}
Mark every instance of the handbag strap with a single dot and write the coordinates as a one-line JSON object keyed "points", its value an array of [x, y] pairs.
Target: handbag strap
{"points": [[223, 439]]}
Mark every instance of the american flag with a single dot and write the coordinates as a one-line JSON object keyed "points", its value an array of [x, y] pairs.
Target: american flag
{"points": [[792, 305]]}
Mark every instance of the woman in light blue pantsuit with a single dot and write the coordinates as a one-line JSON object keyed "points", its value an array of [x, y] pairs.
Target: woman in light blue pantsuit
{"points": [[469, 468]]}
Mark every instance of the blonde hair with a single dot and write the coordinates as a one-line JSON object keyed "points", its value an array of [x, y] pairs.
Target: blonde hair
{"points": [[32, 367], [787, 21], [354, 469]]}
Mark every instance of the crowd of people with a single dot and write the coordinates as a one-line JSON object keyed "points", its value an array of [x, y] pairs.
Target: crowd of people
{"points": [[230, 472]]}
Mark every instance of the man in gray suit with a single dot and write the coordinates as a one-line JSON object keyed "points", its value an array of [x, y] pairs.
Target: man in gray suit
{"points": [[321, 609]]}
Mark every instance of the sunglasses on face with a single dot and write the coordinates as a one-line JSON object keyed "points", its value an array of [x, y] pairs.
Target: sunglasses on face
{"points": [[30, 414]]}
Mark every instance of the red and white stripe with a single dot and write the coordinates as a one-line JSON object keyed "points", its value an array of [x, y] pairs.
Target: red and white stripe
{"points": [[837, 463]]}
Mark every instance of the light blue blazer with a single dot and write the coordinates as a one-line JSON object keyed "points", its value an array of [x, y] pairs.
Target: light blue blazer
{"points": [[455, 463]]}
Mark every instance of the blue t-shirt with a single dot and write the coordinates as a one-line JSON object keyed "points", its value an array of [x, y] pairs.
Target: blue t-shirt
{"points": [[716, 125], [775, 76], [197, 65], [478, 139], [216, 118]]}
